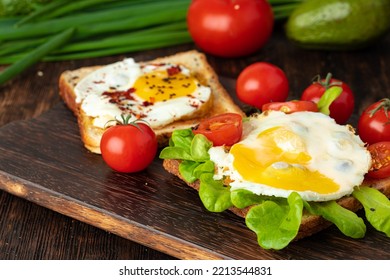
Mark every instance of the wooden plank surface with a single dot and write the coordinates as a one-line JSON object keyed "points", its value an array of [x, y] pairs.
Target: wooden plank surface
{"points": [[42, 160], [151, 207]]}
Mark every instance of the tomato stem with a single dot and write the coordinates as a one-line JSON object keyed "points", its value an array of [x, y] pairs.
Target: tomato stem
{"points": [[125, 120], [385, 105], [326, 83], [327, 80]]}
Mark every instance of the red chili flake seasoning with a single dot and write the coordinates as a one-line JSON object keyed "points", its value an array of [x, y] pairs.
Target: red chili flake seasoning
{"points": [[117, 96], [173, 70], [194, 104], [147, 103]]}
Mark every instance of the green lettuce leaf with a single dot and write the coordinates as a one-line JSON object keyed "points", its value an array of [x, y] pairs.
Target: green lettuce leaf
{"points": [[376, 206], [244, 198], [346, 221], [213, 194], [184, 145], [276, 224], [205, 167], [175, 153], [192, 170], [186, 169], [182, 138], [200, 146], [179, 145]]}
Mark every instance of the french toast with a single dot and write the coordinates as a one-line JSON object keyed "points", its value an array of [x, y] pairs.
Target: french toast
{"points": [[193, 60]]}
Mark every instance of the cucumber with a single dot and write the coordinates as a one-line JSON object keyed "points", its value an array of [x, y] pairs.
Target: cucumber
{"points": [[338, 24]]}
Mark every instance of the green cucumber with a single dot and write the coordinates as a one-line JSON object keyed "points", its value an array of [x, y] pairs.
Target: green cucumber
{"points": [[338, 24]]}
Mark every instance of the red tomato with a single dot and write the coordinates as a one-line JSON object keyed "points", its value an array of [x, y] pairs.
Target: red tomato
{"points": [[374, 122], [261, 83], [291, 106], [128, 147], [380, 153], [224, 129], [342, 108], [230, 28]]}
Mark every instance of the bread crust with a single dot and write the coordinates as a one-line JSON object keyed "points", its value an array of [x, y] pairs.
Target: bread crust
{"points": [[193, 60], [310, 224]]}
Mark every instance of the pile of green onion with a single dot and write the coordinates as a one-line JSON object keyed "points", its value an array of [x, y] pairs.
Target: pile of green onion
{"points": [[67, 30]]}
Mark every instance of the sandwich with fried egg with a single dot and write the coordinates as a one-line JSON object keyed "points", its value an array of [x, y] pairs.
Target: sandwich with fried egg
{"points": [[172, 92], [288, 175]]}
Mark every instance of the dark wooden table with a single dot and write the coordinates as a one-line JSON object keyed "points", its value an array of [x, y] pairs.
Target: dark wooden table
{"points": [[29, 231]]}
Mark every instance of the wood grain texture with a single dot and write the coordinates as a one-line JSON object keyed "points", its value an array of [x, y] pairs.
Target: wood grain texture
{"points": [[37, 157], [151, 207]]}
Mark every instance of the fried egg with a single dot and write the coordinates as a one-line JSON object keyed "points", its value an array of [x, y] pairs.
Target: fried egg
{"points": [[304, 152], [158, 93]]}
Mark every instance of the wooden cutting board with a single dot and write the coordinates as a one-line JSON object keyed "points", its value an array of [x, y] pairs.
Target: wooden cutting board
{"points": [[42, 160]]}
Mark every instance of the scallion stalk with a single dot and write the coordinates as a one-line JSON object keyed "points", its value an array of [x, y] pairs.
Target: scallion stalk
{"points": [[137, 22], [36, 55], [45, 9], [123, 39], [164, 40], [54, 26], [283, 11], [94, 28]]}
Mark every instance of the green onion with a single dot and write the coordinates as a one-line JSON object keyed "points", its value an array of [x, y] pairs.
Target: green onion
{"points": [[8, 22], [20, 46], [283, 11], [283, 8], [88, 19], [156, 41], [156, 17], [35, 56], [123, 39], [47, 8], [63, 30], [157, 37]]}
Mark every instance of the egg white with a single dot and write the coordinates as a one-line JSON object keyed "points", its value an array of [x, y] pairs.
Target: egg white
{"points": [[121, 76], [335, 151]]}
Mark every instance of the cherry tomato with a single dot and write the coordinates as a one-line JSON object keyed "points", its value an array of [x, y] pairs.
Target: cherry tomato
{"points": [[230, 28], [374, 122], [342, 108], [380, 154], [261, 83], [291, 106], [224, 129], [128, 147]]}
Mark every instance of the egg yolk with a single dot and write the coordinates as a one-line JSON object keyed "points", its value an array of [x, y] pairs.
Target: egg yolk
{"points": [[161, 85], [280, 160]]}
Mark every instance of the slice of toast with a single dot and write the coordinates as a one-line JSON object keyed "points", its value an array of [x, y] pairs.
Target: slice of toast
{"points": [[310, 224], [193, 60]]}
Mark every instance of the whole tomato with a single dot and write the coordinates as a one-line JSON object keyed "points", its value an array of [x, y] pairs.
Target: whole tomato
{"points": [[261, 83], [342, 108], [128, 147], [230, 28], [374, 122]]}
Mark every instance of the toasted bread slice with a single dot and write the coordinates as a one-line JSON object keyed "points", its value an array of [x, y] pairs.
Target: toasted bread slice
{"points": [[193, 60], [310, 224]]}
